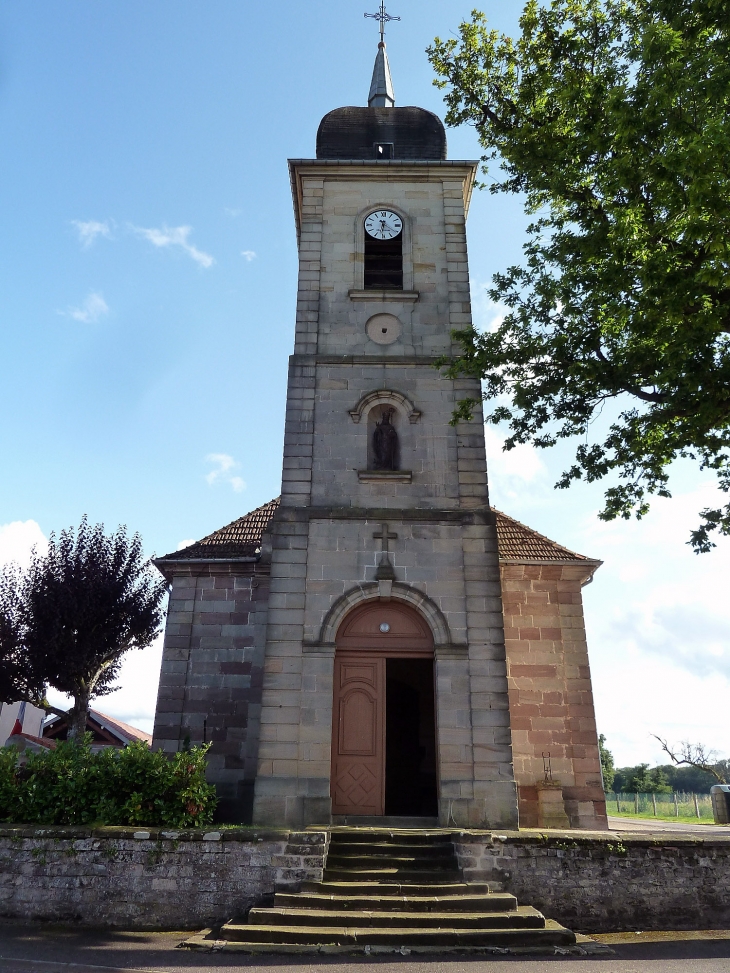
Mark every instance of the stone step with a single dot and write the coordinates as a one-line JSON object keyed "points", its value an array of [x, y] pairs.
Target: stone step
{"points": [[523, 917], [381, 848], [384, 873], [372, 838], [383, 822], [430, 863], [490, 902], [365, 887], [243, 934]]}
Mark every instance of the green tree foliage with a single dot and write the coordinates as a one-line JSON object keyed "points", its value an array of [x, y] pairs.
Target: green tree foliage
{"points": [[607, 768], [692, 780], [641, 780], [80, 607], [611, 118], [19, 676], [133, 786]]}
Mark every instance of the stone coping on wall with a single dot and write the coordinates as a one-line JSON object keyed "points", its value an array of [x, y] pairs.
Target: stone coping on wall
{"points": [[316, 833], [141, 833], [558, 838]]}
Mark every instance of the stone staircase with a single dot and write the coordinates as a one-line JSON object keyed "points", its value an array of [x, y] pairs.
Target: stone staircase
{"points": [[392, 891]]}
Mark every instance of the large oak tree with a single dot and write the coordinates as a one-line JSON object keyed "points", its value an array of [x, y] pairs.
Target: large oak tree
{"points": [[612, 119]]}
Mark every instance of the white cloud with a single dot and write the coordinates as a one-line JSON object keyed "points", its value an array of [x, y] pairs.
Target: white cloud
{"points": [[513, 473], [659, 629], [248, 255], [223, 473], [186, 543], [233, 213], [175, 236], [17, 540], [91, 229], [486, 314], [93, 308]]}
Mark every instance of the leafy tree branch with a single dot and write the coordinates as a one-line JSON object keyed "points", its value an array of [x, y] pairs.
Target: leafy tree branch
{"points": [[612, 118]]}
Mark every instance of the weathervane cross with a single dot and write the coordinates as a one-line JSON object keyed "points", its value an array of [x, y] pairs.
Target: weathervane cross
{"points": [[384, 18]]}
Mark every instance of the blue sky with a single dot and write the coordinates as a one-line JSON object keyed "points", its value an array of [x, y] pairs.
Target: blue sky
{"points": [[147, 293]]}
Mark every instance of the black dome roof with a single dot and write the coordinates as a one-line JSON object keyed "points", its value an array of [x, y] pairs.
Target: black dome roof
{"points": [[352, 133]]}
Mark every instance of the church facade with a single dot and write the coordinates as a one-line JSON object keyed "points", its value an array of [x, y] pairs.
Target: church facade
{"points": [[379, 642]]}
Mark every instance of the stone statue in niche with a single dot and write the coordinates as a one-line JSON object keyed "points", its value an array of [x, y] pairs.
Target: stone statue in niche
{"points": [[385, 443]]}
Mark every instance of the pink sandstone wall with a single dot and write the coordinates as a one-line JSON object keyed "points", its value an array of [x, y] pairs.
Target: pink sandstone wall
{"points": [[551, 702]]}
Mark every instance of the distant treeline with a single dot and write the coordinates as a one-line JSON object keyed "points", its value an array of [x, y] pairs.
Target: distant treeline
{"points": [[665, 779]]}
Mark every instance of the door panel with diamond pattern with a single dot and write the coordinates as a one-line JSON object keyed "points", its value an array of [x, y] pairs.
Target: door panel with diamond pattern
{"points": [[358, 732]]}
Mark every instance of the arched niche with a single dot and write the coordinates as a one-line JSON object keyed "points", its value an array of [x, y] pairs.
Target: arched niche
{"points": [[402, 414], [385, 397]]}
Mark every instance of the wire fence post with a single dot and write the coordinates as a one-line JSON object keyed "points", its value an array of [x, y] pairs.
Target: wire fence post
{"points": [[676, 805], [636, 803], [653, 801], [697, 806]]}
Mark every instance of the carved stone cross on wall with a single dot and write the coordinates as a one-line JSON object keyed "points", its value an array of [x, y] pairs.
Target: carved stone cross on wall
{"points": [[385, 535], [385, 572]]}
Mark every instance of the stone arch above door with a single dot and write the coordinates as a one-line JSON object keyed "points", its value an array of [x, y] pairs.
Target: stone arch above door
{"points": [[434, 619], [393, 626]]}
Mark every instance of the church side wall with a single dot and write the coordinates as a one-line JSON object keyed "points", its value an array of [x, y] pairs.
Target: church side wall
{"points": [[551, 702], [211, 674]]}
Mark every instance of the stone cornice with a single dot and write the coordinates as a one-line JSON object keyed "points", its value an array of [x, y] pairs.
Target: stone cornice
{"points": [[383, 170]]}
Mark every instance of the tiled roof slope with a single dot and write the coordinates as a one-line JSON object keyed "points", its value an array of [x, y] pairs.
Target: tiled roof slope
{"points": [[517, 542], [242, 538]]}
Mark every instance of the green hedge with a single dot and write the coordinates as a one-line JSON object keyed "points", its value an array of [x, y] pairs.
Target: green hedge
{"points": [[132, 786]]}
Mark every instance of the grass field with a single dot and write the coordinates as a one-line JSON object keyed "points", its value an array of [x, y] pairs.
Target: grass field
{"points": [[662, 807]]}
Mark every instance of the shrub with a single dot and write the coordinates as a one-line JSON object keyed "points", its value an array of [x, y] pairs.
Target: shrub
{"points": [[133, 786]]}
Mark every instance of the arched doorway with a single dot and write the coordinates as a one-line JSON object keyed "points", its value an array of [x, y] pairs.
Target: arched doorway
{"points": [[383, 717]]}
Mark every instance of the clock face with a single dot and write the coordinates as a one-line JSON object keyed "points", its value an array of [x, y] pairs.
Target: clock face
{"points": [[383, 224]]}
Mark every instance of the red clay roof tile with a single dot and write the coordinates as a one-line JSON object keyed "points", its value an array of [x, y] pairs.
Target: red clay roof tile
{"points": [[242, 538]]}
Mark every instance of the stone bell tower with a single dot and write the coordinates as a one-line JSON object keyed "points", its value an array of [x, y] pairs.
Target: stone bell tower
{"points": [[385, 684]]}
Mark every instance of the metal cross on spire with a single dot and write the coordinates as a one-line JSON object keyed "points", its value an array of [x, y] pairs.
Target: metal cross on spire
{"points": [[384, 18]]}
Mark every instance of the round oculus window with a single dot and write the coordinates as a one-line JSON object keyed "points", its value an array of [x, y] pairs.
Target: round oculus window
{"points": [[383, 329], [384, 627]]}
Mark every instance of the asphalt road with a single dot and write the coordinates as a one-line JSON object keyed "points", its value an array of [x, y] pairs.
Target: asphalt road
{"points": [[44, 949]]}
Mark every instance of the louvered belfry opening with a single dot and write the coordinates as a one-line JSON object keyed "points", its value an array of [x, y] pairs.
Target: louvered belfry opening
{"points": [[384, 263]]}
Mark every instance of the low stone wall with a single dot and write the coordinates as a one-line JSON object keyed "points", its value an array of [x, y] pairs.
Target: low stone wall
{"points": [[599, 882], [157, 879], [149, 878]]}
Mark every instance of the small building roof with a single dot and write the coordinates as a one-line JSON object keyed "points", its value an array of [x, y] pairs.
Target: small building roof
{"points": [[242, 539], [239, 539], [518, 542], [107, 730]]}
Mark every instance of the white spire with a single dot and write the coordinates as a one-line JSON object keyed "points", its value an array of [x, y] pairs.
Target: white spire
{"points": [[381, 87]]}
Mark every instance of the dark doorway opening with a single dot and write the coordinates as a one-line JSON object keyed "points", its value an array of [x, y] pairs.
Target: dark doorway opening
{"points": [[410, 738]]}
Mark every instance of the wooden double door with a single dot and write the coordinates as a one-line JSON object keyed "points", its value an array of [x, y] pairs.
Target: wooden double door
{"points": [[383, 719]]}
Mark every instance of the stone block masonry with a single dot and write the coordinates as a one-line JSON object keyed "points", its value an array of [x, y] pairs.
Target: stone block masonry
{"points": [[212, 673], [550, 696], [158, 879], [149, 878], [599, 882]]}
